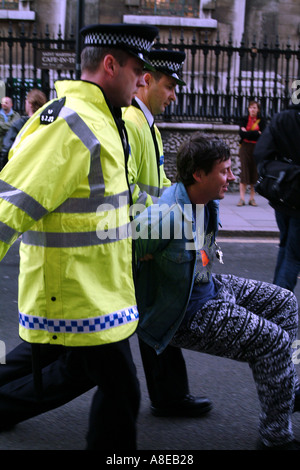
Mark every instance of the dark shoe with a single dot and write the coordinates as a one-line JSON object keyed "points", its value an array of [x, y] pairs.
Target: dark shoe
{"points": [[241, 203], [252, 203], [293, 445], [189, 407]]}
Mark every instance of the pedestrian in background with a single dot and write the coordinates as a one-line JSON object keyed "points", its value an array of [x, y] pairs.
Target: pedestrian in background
{"points": [[35, 99], [251, 128], [7, 117], [280, 141], [166, 374]]}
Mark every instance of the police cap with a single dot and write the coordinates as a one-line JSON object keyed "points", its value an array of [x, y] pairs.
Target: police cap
{"points": [[168, 62], [135, 39]]}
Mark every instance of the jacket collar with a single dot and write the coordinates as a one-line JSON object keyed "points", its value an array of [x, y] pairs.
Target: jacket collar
{"points": [[181, 195], [184, 202], [148, 115]]}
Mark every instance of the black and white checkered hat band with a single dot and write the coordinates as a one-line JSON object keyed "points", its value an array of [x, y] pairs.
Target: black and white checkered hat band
{"points": [[115, 39], [166, 65]]}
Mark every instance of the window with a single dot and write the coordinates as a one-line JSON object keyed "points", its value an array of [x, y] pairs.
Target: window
{"points": [[185, 8], [9, 5]]}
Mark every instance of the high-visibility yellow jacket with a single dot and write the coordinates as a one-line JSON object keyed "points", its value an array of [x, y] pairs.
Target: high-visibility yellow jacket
{"points": [[146, 163], [65, 189]]}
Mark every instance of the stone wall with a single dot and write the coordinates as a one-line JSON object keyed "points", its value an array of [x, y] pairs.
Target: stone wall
{"points": [[174, 134]]}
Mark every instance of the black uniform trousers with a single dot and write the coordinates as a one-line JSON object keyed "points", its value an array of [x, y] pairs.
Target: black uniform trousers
{"points": [[68, 373], [165, 374]]}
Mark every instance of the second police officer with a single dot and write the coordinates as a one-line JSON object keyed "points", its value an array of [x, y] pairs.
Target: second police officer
{"points": [[166, 373]]}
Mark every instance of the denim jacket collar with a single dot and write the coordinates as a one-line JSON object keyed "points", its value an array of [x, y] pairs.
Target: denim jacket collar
{"points": [[183, 200]]}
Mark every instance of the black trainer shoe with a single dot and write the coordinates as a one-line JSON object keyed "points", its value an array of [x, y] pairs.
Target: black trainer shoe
{"points": [[188, 406], [292, 445]]}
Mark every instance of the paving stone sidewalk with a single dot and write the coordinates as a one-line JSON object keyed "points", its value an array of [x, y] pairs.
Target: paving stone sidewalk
{"points": [[247, 220]]}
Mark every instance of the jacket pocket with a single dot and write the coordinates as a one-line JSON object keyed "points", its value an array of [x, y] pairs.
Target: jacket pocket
{"points": [[177, 254]]}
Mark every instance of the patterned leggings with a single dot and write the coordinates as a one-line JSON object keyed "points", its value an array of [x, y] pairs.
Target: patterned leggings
{"points": [[254, 322]]}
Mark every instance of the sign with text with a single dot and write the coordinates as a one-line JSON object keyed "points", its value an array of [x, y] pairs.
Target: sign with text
{"points": [[56, 59]]}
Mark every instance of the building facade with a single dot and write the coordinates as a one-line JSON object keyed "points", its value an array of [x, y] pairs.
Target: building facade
{"points": [[259, 18]]}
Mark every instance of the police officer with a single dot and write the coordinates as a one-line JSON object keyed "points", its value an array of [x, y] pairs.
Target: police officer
{"points": [[165, 373], [68, 163]]}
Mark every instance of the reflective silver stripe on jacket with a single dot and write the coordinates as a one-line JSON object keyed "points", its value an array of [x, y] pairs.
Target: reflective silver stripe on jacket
{"points": [[142, 198], [84, 205], [84, 325], [76, 239], [95, 177], [151, 190], [22, 200], [8, 234]]}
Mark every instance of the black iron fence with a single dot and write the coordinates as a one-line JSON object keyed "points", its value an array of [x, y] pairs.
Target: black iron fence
{"points": [[30, 61], [221, 78]]}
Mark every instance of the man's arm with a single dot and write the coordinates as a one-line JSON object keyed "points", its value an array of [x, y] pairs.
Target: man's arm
{"points": [[10, 137], [266, 147], [4, 126], [153, 229]]}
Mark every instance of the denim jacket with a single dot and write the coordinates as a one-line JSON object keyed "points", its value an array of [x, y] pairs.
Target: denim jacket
{"points": [[169, 231]]}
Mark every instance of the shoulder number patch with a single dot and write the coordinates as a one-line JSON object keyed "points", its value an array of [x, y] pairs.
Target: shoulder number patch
{"points": [[51, 112]]}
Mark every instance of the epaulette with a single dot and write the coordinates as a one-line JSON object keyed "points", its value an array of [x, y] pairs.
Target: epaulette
{"points": [[51, 112]]}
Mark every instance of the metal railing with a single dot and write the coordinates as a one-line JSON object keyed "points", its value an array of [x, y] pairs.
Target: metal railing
{"points": [[29, 61], [221, 78]]}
